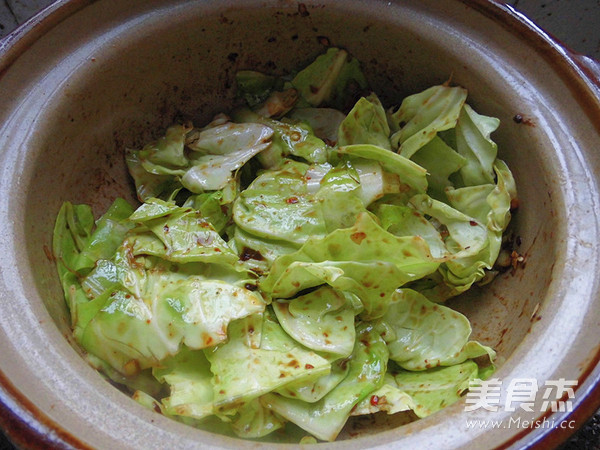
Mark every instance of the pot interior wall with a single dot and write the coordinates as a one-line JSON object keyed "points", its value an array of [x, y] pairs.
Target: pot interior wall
{"points": [[126, 84]]}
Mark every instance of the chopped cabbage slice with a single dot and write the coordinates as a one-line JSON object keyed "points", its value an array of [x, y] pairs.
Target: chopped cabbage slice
{"points": [[287, 262]]}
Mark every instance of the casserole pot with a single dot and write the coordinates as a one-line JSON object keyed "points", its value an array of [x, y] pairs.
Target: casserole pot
{"points": [[86, 79]]}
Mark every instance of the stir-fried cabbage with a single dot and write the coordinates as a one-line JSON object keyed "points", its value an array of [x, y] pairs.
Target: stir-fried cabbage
{"points": [[287, 262]]}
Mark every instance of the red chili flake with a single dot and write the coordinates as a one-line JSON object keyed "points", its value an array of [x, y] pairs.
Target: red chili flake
{"points": [[358, 237], [473, 223], [309, 366], [374, 400], [292, 200], [251, 287]]}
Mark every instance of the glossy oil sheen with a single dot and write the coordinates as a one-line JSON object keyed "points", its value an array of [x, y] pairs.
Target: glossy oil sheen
{"points": [[92, 78]]}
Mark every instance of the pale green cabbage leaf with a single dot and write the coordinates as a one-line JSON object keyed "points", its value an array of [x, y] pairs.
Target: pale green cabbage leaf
{"points": [[329, 79], [326, 417], [364, 259], [421, 116], [428, 335], [243, 373], [322, 320], [286, 266], [365, 123]]}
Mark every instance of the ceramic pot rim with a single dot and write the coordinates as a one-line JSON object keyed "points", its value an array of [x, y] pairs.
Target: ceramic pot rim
{"points": [[26, 425]]}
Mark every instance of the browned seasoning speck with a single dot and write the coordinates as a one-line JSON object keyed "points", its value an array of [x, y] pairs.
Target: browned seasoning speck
{"points": [[519, 118], [302, 10], [48, 253], [324, 40], [248, 253]]}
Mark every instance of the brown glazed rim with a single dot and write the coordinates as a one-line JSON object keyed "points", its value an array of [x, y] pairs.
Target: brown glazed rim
{"points": [[27, 427]]}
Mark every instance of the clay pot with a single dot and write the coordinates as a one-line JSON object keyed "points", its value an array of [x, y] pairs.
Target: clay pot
{"points": [[85, 79]]}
